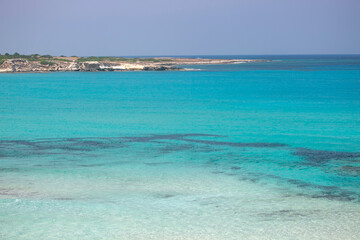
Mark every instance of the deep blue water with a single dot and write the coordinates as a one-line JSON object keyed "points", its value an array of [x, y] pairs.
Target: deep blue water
{"points": [[104, 153]]}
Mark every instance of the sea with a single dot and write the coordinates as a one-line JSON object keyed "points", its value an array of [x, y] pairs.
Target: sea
{"points": [[260, 150]]}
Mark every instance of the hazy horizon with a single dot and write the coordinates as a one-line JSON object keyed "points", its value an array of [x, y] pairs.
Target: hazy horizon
{"points": [[163, 28]]}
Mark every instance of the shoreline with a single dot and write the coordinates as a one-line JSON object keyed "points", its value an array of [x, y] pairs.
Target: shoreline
{"points": [[109, 64]]}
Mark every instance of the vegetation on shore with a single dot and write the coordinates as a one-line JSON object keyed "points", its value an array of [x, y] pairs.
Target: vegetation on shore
{"points": [[48, 59], [44, 62], [120, 59], [31, 57]]}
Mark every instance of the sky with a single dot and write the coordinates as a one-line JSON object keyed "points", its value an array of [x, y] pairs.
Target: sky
{"points": [[179, 27]]}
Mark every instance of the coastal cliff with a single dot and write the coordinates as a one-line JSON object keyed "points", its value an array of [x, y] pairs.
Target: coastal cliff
{"points": [[52, 64]]}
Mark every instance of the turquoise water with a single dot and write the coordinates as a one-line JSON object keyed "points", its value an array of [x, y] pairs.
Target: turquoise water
{"points": [[247, 151]]}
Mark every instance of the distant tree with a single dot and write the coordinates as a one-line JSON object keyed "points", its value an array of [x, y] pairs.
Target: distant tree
{"points": [[6, 54], [16, 54], [62, 56]]}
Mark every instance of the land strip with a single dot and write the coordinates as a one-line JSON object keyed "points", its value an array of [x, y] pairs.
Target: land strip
{"points": [[47, 63]]}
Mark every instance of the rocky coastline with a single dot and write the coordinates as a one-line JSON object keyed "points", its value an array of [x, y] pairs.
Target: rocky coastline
{"points": [[70, 64]]}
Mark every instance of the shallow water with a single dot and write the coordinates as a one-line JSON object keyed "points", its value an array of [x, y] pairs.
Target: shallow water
{"points": [[268, 151]]}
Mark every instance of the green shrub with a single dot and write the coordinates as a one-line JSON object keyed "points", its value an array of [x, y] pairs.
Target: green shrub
{"points": [[44, 62]]}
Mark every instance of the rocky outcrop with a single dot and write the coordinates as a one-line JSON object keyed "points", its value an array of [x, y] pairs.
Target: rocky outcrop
{"points": [[90, 66], [21, 65], [159, 68], [16, 65], [95, 66]]}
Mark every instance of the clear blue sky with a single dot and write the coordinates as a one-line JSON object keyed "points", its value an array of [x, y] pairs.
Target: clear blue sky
{"points": [[174, 27]]}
